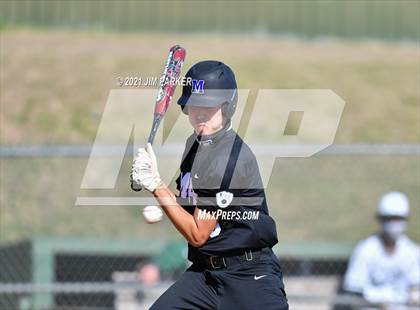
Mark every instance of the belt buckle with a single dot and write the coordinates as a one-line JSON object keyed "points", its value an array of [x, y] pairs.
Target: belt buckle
{"points": [[213, 264], [250, 255]]}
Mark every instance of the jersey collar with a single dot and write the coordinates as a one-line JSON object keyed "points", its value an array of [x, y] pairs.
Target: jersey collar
{"points": [[206, 140]]}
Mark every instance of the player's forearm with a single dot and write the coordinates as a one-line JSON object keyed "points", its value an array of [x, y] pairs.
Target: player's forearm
{"points": [[183, 221]]}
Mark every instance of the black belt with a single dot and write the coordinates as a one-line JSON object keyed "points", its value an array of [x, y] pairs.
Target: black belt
{"points": [[217, 262]]}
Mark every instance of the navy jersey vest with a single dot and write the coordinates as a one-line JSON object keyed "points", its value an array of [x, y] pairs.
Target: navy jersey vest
{"points": [[222, 173]]}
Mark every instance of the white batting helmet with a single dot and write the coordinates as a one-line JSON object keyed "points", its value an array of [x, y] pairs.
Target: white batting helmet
{"points": [[394, 204]]}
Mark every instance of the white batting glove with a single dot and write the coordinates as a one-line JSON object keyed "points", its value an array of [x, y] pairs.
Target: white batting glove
{"points": [[144, 171]]}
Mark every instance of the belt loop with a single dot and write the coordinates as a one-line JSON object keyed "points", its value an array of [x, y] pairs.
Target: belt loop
{"points": [[250, 255]]}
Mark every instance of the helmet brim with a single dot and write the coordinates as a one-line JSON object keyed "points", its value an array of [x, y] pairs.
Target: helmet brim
{"points": [[211, 99]]}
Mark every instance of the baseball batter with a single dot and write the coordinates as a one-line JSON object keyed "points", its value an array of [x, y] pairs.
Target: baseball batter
{"points": [[221, 209]]}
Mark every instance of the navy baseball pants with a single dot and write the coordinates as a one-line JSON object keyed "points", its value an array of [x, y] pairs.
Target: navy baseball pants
{"points": [[250, 285]]}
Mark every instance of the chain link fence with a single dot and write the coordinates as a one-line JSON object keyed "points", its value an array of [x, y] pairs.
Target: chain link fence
{"points": [[73, 278]]}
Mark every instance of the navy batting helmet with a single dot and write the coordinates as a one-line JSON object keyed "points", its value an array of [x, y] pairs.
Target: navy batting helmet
{"points": [[210, 84]]}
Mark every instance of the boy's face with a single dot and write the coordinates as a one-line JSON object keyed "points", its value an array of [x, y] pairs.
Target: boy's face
{"points": [[205, 121]]}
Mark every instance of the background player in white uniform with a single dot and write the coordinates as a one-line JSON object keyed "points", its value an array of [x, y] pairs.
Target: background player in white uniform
{"points": [[385, 268]]}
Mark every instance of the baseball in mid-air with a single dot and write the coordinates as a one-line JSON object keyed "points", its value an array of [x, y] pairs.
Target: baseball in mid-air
{"points": [[152, 214]]}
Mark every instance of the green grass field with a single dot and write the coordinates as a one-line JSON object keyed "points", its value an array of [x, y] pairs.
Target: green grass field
{"points": [[54, 85]]}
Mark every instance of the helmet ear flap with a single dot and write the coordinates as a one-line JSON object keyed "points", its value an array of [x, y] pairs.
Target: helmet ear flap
{"points": [[228, 109], [225, 110]]}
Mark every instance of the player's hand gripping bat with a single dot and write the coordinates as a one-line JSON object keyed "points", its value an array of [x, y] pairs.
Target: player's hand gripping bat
{"points": [[168, 83]]}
